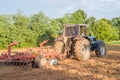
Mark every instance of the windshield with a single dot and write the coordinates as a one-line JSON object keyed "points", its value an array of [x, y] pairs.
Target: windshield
{"points": [[71, 31]]}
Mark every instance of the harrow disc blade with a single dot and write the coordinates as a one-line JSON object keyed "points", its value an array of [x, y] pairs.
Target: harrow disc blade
{"points": [[2, 63], [13, 63]]}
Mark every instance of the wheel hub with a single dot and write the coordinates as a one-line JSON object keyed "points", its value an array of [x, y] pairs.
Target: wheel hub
{"points": [[43, 61]]}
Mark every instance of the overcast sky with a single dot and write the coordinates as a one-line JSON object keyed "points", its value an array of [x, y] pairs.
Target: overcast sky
{"points": [[57, 8]]}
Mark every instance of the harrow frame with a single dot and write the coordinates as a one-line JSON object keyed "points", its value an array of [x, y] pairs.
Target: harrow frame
{"points": [[27, 57]]}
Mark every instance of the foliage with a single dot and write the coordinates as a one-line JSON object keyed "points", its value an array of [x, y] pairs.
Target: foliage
{"points": [[103, 29], [30, 31], [78, 17], [116, 23]]}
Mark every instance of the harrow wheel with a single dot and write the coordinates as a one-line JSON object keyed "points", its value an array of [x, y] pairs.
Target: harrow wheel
{"points": [[40, 61], [82, 49]]}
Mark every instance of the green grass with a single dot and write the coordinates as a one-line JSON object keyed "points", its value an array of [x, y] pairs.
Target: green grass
{"points": [[113, 42]]}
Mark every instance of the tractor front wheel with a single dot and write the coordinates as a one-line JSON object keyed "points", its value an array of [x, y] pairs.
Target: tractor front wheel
{"points": [[101, 51]]}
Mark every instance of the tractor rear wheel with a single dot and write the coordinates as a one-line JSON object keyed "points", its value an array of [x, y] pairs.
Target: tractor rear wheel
{"points": [[82, 49], [40, 61], [59, 47]]}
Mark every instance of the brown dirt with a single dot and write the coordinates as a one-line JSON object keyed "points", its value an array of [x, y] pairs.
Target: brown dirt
{"points": [[107, 68]]}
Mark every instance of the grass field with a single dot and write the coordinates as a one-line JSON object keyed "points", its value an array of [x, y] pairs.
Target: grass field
{"points": [[113, 42]]}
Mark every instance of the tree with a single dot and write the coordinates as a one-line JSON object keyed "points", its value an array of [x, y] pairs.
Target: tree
{"points": [[39, 24], [66, 19], [104, 30], [78, 17], [116, 23], [5, 30], [22, 31], [90, 23]]}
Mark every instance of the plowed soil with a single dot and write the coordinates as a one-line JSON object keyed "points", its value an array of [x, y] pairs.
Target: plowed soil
{"points": [[107, 68]]}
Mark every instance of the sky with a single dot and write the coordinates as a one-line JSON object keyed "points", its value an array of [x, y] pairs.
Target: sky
{"points": [[57, 8]]}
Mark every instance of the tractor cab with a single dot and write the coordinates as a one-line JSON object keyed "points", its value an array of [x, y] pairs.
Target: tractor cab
{"points": [[74, 30]]}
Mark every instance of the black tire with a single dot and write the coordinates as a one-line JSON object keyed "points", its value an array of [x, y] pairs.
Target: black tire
{"points": [[101, 51], [82, 49], [40, 61], [59, 47]]}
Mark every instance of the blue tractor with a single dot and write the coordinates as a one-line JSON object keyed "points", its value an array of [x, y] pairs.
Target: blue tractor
{"points": [[74, 43]]}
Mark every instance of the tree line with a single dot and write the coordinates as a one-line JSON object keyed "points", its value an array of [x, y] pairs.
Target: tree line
{"points": [[30, 31]]}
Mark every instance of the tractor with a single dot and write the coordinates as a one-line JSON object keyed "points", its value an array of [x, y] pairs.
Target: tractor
{"points": [[74, 43]]}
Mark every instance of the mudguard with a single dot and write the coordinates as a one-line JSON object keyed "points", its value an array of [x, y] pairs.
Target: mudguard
{"points": [[100, 49], [96, 44]]}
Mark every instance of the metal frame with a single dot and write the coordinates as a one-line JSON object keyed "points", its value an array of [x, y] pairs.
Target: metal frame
{"points": [[26, 57]]}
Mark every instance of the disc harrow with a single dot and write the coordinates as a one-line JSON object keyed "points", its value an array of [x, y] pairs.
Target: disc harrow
{"points": [[28, 57]]}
